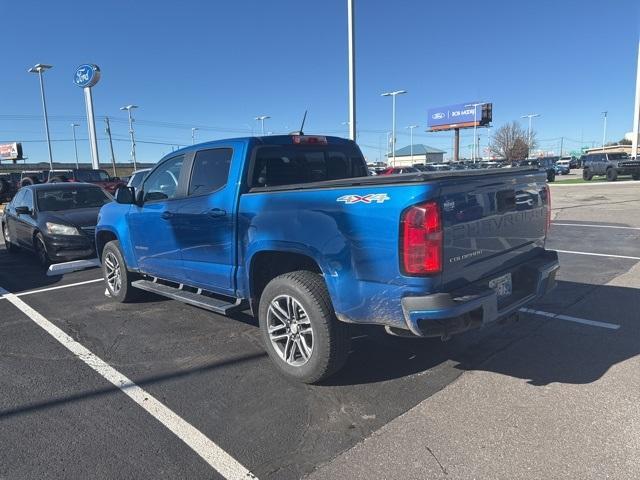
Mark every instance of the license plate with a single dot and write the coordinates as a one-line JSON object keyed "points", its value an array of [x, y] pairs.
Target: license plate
{"points": [[501, 285]]}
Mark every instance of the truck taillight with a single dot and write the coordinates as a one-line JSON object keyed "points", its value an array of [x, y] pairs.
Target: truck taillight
{"points": [[548, 224], [421, 239], [309, 140]]}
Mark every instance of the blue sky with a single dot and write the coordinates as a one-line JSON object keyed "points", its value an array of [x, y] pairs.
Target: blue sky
{"points": [[218, 64]]}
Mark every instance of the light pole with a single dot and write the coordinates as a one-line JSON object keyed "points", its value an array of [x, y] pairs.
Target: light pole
{"points": [[261, 119], [475, 122], [411, 127], [529, 116], [75, 143], [193, 135], [128, 108], [604, 130], [393, 96], [39, 68], [352, 68]]}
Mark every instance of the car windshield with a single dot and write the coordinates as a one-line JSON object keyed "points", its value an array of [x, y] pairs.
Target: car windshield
{"points": [[71, 198], [92, 176]]}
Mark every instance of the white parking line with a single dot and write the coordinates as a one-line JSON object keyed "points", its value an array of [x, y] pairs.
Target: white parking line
{"points": [[592, 323], [593, 226], [598, 254], [48, 289], [215, 456]]}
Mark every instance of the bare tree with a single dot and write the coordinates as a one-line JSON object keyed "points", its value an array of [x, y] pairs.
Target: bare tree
{"points": [[511, 142]]}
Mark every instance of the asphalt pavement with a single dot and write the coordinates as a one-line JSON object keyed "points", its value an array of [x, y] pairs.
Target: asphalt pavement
{"points": [[544, 397]]}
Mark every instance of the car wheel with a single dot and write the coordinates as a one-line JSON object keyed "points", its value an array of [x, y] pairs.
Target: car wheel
{"points": [[587, 175], [551, 176], [41, 250], [117, 278], [612, 174], [25, 182], [8, 244], [299, 328]]}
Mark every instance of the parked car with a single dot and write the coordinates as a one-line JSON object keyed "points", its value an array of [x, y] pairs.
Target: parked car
{"points": [[56, 221], [96, 176], [9, 185], [610, 165], [544, 164], [33, 177], [398, 170], [294, 229], [137, 177], [563, 167], [574, 162]]}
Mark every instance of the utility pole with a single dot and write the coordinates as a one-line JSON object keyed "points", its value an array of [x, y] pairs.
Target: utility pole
{"points": [[352, 69], [604, 130], [113, 157], [636, 112], [128, 108], [561, 145]]}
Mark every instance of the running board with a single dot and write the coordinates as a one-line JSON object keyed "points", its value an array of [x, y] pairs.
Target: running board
{"points": [[217, 305]]}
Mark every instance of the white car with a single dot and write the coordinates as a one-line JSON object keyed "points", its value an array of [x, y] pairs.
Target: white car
{"points": [[137, 177]]}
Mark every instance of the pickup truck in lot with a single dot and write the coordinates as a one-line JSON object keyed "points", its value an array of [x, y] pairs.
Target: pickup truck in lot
{"points": [[292, 228]]}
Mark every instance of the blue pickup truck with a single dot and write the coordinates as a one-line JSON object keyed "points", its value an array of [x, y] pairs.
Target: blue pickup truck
{"points": [[293, 228]]}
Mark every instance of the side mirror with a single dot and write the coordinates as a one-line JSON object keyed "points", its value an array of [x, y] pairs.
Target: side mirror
{"points": [[23, 210], [125, 195]]}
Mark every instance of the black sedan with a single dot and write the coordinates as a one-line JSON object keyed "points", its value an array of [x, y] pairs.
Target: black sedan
{"points": [[57, 221]]}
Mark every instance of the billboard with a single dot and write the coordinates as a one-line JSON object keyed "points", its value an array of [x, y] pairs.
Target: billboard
{"points": [[10, 151], [461, 115]]}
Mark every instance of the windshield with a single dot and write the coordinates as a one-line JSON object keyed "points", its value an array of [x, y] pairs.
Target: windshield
{"points": [[71, 198], [92, 176], [292, 164]]}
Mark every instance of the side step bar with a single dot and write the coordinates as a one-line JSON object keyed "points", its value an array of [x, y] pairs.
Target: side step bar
{"points": [[217, 305]]}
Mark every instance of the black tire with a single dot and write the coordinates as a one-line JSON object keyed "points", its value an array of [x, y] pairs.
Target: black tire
{"points": [[41, 250], [330, 337], [8, 245], [636, 176], [25, 182], [126, 292], [551, 176], [587, 175], [612, 174]]}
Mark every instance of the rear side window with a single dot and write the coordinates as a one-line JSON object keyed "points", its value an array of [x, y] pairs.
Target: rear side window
{"points": [[294, 164], [210, 170]]}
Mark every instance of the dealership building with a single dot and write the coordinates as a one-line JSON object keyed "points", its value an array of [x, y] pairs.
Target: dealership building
{"points": [[421, 154]]}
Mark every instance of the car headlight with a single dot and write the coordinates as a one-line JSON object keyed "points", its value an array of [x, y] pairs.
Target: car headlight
{"points": [[58, 229]]}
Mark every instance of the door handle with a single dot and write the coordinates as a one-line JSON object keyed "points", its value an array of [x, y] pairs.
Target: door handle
{"points": [[167, 215], [217, 212]]}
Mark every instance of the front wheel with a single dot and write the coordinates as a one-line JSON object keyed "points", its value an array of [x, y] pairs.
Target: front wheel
{"points": [[587, 175], [612, 175], [116, 277], [299, 328], [551, 176], [41, 250]]}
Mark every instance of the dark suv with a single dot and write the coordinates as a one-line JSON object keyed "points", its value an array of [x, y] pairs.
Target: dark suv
{"points": [[544, 164], [611, 165], [9, 185]]}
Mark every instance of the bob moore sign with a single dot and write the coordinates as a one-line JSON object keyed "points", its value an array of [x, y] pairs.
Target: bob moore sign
{"points": [[461, 115]]}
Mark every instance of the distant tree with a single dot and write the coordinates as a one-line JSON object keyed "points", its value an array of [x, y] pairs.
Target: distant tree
{"points": [[625, 141], [511, 142]]}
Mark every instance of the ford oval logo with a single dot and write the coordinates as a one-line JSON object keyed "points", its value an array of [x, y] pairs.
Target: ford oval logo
{"points": [[437, 116], [87, 75]]}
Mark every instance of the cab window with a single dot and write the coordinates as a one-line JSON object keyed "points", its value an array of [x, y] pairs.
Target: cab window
{"points": [[210, 170]]}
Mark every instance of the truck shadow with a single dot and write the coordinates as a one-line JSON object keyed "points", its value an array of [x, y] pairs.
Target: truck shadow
{"points": [[537, 349]]}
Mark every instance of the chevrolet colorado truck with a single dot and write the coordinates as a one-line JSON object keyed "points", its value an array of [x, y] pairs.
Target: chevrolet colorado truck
{"points": [[293, 229]]}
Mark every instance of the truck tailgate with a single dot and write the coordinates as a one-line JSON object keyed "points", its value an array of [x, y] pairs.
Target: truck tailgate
{"points": [[491, 223]]}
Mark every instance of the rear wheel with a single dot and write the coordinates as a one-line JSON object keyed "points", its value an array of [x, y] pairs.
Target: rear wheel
{"points": [[587, 175], [551, 176], [8, 244], [299, 328], [612, 174], [117, 278]]}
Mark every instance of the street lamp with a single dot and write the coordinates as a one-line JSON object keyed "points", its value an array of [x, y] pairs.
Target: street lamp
{"points": [[411, 127], [75, 143], [261, 119], [193, 135], [475, 122], [39, 68], [128, 108], [604, 131], [529, 116], [393, 96]]}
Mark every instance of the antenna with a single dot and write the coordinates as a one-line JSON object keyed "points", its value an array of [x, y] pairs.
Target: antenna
{"points": [[303, 120]]}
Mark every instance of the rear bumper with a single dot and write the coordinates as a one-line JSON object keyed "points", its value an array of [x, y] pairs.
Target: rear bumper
{"points": [[443, 314]]}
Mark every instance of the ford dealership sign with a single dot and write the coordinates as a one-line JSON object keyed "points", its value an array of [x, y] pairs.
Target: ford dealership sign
{"points": [[87, 75], [459, 116]]}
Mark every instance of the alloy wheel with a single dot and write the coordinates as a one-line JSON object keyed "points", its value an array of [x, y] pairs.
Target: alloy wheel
{"points": [[113, 273], [290, 330]]}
